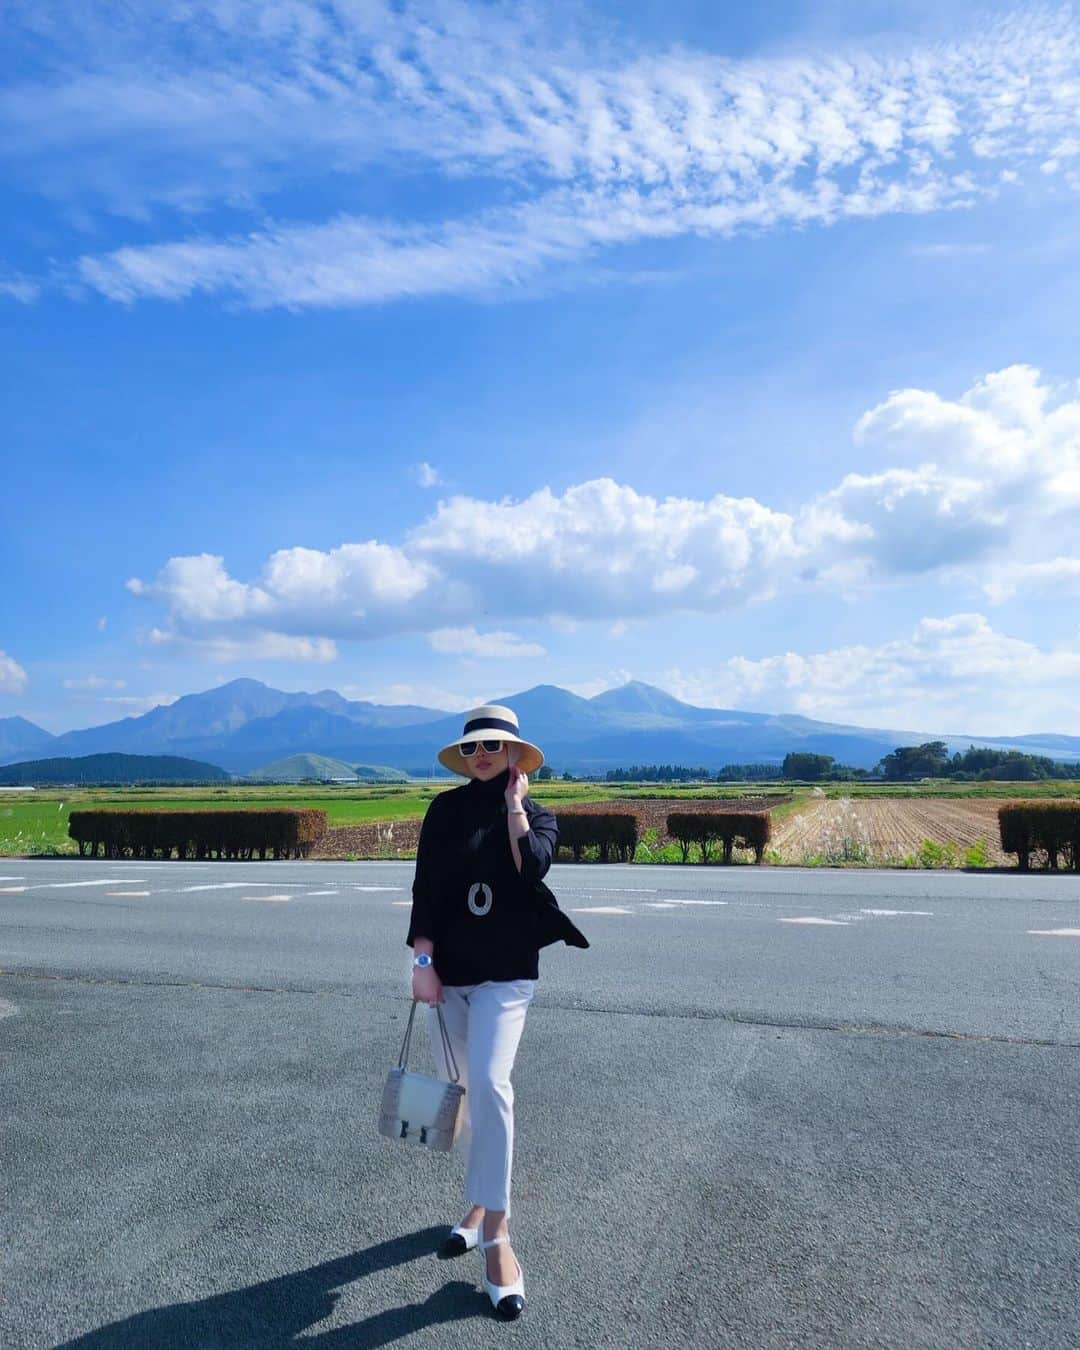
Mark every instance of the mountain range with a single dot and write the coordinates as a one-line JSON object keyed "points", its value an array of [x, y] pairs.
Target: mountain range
{"points": [[243, 724]]}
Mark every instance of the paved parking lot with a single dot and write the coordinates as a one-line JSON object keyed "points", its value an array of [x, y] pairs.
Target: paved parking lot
{"points": [[766, 1108]]}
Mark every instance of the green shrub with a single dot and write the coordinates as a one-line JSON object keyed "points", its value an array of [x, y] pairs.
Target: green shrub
{"points": [[933, 854], [846, 849], [977, 855]]}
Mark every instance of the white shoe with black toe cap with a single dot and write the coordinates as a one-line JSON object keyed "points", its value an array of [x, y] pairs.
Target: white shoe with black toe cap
{"points": [[508, 1300], [461, 1240]]}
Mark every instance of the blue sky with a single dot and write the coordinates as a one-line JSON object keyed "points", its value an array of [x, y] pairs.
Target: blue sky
{"points": [[429, 352]]}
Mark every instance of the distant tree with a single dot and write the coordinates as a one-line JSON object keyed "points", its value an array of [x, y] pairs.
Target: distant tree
{"points": [[657, 773], [929, 760], [747, 773], [846, 773], [544, 773], [568, 777], [982, 764], [807, 767]]}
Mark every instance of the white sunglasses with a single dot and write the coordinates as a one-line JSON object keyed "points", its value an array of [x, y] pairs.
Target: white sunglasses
{"points": [[469, 748]]}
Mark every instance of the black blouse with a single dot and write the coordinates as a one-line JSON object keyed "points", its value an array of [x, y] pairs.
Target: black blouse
{"points": [[486, 920]]}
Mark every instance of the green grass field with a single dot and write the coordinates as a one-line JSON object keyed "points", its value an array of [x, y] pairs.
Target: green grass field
{"points": [[36, 823]]}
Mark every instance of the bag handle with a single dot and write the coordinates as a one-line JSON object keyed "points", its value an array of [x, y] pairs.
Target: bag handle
{"points": [[448, 1050]]}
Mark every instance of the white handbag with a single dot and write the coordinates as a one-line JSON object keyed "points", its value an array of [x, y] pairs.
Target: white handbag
{"points": [[417, 1107]]}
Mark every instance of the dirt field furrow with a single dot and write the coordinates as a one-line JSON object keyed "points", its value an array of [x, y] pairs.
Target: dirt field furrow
{"points": [[887, 830], [841, 829], [388, 838]]}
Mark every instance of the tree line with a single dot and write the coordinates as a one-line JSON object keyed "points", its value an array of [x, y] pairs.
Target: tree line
{"points": [[907, 763]]}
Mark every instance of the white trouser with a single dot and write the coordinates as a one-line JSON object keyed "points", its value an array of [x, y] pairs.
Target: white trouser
{"points": [[484, 1023]]}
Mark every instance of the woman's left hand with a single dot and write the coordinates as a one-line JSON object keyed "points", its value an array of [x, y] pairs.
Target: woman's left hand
{"points": [[516, 787]]}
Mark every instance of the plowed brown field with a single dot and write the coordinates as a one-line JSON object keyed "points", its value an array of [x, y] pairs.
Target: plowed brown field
{"points": [[385, 838], [889, 828]]}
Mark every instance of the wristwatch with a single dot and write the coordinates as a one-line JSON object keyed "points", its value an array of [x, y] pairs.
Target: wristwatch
{"points": [[422, 959]]}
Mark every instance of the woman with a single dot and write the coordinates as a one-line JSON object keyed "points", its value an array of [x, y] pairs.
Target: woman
{"points": [[480, 914]]}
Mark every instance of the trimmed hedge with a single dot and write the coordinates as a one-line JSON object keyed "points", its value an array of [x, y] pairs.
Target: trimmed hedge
{"points": [[734, 829], [1051, 828], [199, 835], [614, 833]]}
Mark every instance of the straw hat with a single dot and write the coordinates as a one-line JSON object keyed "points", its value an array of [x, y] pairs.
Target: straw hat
{"points": [[493, 721]]}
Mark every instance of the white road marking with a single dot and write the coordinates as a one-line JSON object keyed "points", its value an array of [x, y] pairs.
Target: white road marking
{"points": [[68, 885], [324, 892], [265, 897], [1055, 932], [927, 913], [753, 904], [406, 903], [128, 895], [377, 888], [660, 904], [12, 878], [600, 909], [700, 902], [619, 890], [229, 885], [12, 890], [841, 922]]}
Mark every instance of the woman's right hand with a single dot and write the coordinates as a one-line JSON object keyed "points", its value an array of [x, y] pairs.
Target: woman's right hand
{"points": [[426, 985]]}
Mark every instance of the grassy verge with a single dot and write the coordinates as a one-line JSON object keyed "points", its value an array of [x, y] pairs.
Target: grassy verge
{"points": [[36, 823]]}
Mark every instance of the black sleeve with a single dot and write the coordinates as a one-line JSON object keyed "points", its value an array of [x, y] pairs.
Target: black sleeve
{"points": [[537, 845], [422, 921]]}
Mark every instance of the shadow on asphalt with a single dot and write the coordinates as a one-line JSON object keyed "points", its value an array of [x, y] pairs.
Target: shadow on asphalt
{"points": [[276, 1312]]}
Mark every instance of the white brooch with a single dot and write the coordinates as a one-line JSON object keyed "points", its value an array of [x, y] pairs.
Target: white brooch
{"points": [[483, 906]]}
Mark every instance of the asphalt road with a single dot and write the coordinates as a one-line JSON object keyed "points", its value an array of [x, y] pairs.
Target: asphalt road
{"points": [[767, 1108]]}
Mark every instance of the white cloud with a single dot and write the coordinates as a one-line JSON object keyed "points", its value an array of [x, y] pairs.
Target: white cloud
{"points": [[103, 623], [613, 679], [1012, 433], [906, 520], [356, 261], [594, 143], [13, 679], [948, 251], [1056, 576], [251, 645], [139, 703], [494, 646], [994, 485], [604, 549], [420, 694], [95, 682], [199, 589], [955, 674], [348, 261], [356, 588], [427, 475], [370, 577], [15, 286]]}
